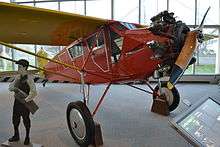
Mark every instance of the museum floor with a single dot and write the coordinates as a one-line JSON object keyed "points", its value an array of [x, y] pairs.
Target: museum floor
{"points": [[125, 115]]}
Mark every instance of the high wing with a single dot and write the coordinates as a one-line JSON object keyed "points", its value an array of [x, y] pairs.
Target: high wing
{"points": [[29, 25]]}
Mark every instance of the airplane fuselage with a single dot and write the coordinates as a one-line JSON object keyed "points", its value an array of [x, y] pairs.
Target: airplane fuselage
{"points": [[116, 52]]}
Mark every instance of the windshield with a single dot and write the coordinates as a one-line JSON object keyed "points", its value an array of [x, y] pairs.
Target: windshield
{"points": [[128, 25]]}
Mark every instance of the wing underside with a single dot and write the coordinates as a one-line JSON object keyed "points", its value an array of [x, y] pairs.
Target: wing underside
{"points": [[30, 25]]}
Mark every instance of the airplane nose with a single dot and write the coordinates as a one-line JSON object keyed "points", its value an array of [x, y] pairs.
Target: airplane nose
{"points": [[186, 53], [184, 58]]}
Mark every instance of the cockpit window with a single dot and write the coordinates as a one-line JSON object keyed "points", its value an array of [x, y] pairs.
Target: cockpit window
{"points": [[116, 45], [76, 50], [91, 41], [120, 27], [96, 41], [128, 25]]}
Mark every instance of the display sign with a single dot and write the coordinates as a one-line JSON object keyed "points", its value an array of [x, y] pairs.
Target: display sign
{"points": [[201, 124]]}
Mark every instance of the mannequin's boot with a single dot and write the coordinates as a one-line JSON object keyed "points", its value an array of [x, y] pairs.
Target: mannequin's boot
{"points": [[27, 141], [27, 138], [16, 135]]}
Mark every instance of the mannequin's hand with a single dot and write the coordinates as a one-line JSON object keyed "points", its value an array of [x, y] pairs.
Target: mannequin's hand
{"points": [[28, 99], [15, 89]]}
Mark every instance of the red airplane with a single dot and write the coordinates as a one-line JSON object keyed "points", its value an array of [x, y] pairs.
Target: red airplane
{"points": [[100, 51]]}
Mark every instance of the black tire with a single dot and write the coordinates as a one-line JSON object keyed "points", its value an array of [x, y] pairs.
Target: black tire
{"points": [[176, 97], [76, 109]]}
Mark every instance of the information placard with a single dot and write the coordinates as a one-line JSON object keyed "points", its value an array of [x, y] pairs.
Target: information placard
{"points": [[201, 123]]}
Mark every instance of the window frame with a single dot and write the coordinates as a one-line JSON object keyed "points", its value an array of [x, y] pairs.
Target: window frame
{"points": [[95, 35], [78, 54]]}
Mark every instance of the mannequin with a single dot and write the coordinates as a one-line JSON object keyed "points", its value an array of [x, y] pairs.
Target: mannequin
{"points": [[23, 83]]}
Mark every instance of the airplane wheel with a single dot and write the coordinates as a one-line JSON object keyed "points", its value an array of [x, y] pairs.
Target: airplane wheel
{"points": [[172, 96], [80, 123]]}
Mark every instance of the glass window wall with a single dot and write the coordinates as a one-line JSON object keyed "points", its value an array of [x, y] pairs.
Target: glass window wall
{"points": [[100, 8], [28, 4], [8, 1], [151, 8], [184, 10], [206, 53], [48, 5], [5, 65], [126, 11], [21, 55], [213, 15], [73, 7]]}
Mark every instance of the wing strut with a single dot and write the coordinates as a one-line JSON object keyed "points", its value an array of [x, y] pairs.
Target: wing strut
{"points": [[49, 71], [55, 61], [52, 60]]}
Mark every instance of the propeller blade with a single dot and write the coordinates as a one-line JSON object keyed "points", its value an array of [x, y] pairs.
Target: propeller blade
{"points": [[183, 59], [208, 37], [203, 19], [186, 53]]}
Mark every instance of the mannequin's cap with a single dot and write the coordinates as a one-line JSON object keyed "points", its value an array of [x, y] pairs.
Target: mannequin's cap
{"points": [[23, 62]]}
